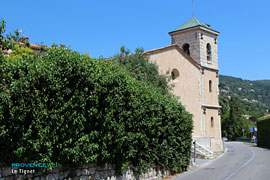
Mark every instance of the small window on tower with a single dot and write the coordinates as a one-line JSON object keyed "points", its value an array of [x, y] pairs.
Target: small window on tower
{"points": [[186, 48], [209, 52], [210, 86], [212, 122]]}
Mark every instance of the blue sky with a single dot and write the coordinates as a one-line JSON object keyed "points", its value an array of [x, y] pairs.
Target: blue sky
{"points": [[101, 27]]}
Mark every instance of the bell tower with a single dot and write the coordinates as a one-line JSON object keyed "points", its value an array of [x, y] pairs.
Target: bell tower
{"points": [[199, 41]]}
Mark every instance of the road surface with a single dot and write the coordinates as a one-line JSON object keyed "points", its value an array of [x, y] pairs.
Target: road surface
{"points": [[241, 162]]}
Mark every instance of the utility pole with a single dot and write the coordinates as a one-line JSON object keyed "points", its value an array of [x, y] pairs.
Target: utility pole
{"points": [[194, 142]]}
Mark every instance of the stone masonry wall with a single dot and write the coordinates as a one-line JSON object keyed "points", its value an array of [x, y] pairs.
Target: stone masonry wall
{"points": [[192, 38], [212, 40], [86, 172]]}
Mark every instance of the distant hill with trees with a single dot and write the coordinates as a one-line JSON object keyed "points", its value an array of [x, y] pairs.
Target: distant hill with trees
{"points": [[254, 95], [243, 102]]}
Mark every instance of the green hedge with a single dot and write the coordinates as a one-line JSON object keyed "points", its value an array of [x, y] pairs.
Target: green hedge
{"points": [[263, 126], [68, 108]]}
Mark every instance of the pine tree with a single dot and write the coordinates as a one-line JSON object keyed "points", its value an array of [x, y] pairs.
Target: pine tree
{"points": [[233, 122]]}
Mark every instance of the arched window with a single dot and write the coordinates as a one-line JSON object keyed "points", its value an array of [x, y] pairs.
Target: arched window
{"points": [[208, 52], [174, 74], [212, 122], [210, 86], [186, 48]]}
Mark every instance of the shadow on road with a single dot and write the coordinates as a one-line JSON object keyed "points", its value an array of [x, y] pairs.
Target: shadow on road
{"points": [[264, 148]]}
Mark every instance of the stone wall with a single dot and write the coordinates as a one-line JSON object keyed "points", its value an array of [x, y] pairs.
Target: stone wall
{"points": [[191, 38], [86, 172], [212, 40]]}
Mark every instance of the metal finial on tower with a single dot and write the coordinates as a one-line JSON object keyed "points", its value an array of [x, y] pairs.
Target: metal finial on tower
{"points": [[192, 8]]}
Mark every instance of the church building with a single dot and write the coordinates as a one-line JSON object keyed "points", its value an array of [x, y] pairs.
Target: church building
{"points": [[192, 60]]}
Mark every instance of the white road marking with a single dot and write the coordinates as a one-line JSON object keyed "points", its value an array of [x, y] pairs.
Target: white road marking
{"points": [[241, 167]]}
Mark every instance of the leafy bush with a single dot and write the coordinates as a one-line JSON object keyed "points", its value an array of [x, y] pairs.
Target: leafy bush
{"points": [[10, 42], [139, 67], [68, 108], [7, 43], [263, 126], [20, 52]]}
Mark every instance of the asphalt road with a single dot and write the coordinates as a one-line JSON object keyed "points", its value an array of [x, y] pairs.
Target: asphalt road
{"points": [[241, 162]]}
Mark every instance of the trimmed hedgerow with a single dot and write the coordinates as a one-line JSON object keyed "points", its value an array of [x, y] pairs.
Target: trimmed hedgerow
{"points": [[68, 108], [263, 126]]}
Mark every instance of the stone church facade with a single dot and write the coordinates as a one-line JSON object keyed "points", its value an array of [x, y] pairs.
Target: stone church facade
{"points": [[192, 59]]}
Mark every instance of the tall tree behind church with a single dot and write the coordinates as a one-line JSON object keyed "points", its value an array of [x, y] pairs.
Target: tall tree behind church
{"points": [[232, 120]]}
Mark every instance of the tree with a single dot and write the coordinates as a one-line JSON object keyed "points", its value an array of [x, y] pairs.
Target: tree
{"points": [[20, 52], [142, 69], [15, 36], [232, 120], [2, 28], [5, 43], [10, 43]]}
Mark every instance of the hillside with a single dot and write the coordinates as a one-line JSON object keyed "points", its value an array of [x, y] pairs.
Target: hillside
{"points": [[255, 95]]}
